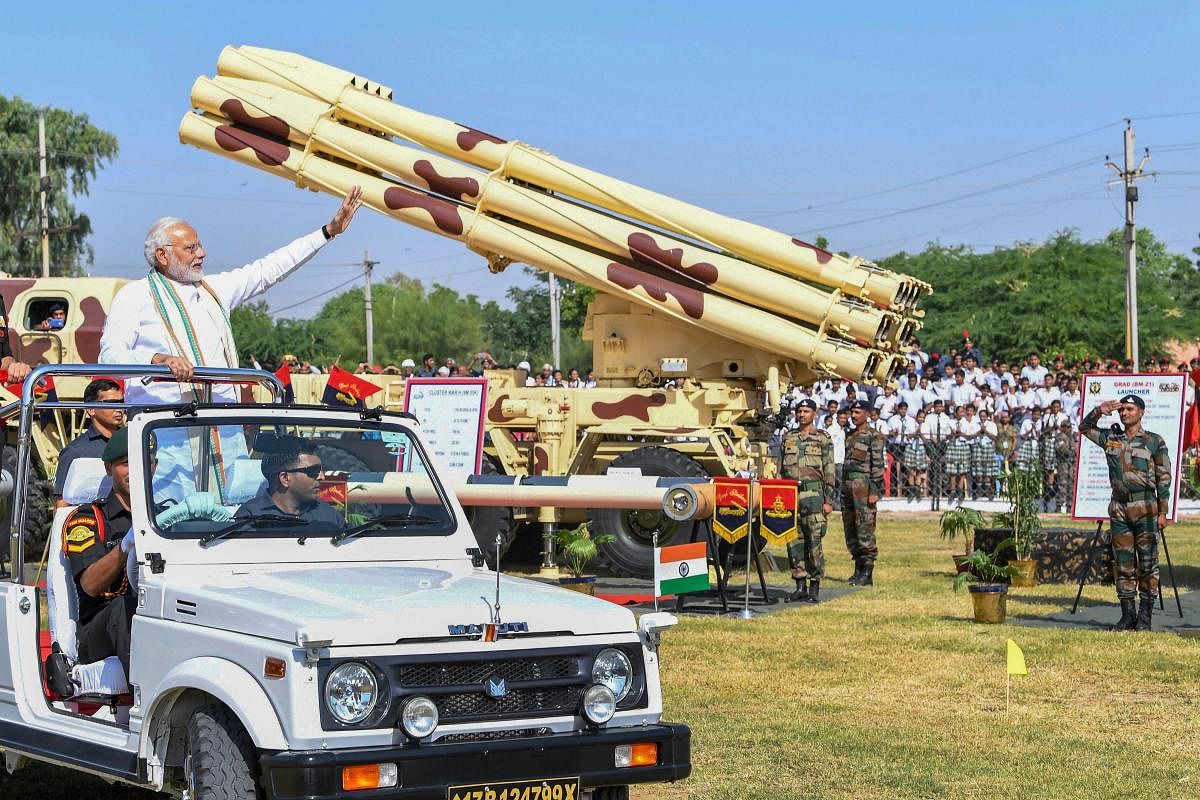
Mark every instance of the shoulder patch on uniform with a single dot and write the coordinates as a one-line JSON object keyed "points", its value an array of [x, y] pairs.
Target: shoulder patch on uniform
{"points": [[80, 532]]}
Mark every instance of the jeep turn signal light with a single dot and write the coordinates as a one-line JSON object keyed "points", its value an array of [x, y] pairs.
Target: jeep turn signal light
{"points": [[369, 776], [274, 668], [643, 754]]}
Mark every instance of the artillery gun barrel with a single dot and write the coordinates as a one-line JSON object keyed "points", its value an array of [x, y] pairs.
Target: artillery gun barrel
{"points": [[682, 299], [374, 110], [279, 112]]}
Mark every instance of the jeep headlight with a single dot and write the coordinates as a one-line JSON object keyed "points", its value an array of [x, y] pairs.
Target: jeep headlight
{"points": [[351, 692], [612, 669], [419, 717]]}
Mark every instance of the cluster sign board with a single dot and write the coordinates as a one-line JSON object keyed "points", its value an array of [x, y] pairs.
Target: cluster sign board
{"points": [[450, 411], [1163, 394]]}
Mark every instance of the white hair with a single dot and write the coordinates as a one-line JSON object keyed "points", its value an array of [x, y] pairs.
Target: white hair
{"points": [[157, 237]]}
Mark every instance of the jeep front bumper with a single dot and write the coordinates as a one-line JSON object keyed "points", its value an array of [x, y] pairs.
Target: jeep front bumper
{"points": [[427, 770]]}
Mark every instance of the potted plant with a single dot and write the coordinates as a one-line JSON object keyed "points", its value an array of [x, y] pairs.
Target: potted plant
{"points": [[577, 547], [961, 521], [984, 578], [1022, 520]]}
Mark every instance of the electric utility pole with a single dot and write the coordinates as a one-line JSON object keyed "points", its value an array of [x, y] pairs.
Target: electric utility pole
{"points": [[45, 187], [368, 264], [555, 321], [1130, 176]]}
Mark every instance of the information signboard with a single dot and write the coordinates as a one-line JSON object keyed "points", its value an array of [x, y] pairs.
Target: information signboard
{"points": [[1163, 394], [451, 414]]}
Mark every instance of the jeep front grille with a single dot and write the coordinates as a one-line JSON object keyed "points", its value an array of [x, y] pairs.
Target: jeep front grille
{"points": [[469, 673], [462, 706], [491, 736]]}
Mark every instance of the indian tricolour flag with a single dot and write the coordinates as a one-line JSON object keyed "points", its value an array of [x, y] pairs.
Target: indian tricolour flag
{"points": [[681, 568]]}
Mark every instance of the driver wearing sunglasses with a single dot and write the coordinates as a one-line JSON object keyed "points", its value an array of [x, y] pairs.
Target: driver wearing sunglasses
{"points": [[293, 472]]}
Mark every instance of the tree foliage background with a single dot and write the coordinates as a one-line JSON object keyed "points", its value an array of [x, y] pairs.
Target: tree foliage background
{"points": [[76, 151]]}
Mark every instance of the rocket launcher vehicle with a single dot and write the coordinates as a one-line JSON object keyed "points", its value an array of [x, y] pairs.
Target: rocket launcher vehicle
{"points": [[328, 130]]}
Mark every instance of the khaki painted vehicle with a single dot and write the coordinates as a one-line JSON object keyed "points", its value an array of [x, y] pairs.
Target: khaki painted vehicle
{"points": [[700, 320], [28, 302]]}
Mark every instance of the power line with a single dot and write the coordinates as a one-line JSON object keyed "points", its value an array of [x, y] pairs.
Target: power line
{"points": [[315, 296]]}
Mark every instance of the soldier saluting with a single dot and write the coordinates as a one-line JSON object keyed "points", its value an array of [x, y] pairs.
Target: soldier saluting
{"points": [[1139, 469], [862, 483], [806, 456]]}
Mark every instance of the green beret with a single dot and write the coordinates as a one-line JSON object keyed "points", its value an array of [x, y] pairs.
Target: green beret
{"points": [[117, 447]]}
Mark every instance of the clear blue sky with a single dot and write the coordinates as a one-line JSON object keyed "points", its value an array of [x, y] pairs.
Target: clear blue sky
{"points": [[782, 113]]}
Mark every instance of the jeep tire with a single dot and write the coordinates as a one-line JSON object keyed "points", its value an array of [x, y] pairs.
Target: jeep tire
{"points": [[38, 497], [220, 762], [630, 553]]}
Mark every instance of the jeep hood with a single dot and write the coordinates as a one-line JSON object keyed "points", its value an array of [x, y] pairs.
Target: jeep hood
{"points": [[371, 604]]}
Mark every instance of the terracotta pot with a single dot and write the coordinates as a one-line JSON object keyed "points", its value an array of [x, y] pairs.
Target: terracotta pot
{"points": [[584, 585], [990, 603], [1028, 576]]}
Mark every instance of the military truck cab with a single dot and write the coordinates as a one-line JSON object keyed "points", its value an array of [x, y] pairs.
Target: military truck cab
{"points": [[356, 647]]}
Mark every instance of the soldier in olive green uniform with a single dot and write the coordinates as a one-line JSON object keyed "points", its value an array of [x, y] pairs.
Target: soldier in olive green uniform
{"points": [[1067, 448], [1139, 470], [862, 483], [807, 457]]}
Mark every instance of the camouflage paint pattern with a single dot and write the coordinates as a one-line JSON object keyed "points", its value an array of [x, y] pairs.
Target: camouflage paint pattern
{"points": [[862, 476]]}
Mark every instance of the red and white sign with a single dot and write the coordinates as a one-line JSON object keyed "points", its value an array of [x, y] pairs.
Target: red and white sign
{"points": [[450, 411]]}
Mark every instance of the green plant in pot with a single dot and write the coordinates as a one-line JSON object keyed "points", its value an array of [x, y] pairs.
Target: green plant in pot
{"points": [[962, 522], [1021, 518], [984, 577], [578, 547]]}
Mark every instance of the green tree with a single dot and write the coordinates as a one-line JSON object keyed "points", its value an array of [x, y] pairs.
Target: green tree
{"points": [[76, 152], [1061, 295], [526, 334]]}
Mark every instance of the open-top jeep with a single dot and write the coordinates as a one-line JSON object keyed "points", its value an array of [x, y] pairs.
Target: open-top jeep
{"points": [[371, 656]]}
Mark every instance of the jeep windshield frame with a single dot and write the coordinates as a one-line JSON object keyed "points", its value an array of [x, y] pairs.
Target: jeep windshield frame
{"points": [[384, 473]]}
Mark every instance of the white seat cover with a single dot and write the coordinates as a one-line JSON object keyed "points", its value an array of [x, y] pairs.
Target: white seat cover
{"points": [[245, 481], [86, 480], [101, 677]]}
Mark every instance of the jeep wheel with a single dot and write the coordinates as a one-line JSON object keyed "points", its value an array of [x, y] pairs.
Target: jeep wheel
{"points": [[487, 521], [219, 762], [630, 552], [38, 497]]}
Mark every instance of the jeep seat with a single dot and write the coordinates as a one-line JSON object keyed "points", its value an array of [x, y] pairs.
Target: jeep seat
{"points": [[101, 680]]}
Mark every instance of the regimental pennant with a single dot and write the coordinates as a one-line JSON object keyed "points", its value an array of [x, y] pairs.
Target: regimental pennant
{"points": [[285, 377], [680, 569], [346, 390], [731, 520], [777, 511]]}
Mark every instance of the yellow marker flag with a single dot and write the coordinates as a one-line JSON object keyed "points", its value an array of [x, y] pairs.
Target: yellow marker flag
{"points": [[1016, 659]]}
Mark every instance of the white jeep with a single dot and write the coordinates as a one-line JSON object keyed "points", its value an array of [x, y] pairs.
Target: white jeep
{"points": [[273, 657]]}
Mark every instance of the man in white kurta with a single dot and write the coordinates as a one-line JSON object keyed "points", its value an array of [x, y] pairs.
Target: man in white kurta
{"points": [[179, 317]]}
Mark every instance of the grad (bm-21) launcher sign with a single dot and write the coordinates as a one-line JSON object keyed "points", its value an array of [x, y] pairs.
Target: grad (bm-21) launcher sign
{"points": [[327, 129]]}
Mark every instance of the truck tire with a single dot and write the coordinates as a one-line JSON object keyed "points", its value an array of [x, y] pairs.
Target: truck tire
{"points": [[487, 521], [629, 554], [220, 762], [39, 495]]}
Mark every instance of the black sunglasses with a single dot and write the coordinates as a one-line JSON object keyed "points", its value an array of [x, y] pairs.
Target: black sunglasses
{"points": [[312, 470]]}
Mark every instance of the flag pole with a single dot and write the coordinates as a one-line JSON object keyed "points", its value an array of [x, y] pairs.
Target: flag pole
{"points": [[745, 613], [1007, 692], [654, 566]]}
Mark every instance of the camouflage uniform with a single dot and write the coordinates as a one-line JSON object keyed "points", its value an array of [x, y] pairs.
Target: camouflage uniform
{"points": [[1139, 469], [808, 459], [862, 475], [1068, 448]]}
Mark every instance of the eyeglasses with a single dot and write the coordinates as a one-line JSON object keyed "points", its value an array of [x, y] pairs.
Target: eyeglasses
{"points": [[312, 470], [192, 249]]}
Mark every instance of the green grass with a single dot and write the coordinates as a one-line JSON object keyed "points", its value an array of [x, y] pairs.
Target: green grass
{"points": [[894, 692]]}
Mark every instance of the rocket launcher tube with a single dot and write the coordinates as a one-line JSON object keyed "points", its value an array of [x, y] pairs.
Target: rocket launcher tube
{"points": [[295, 72], [485, 235], [280, 112], [514, 159]]}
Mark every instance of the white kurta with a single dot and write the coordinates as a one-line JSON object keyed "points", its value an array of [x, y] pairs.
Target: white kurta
{"points": [[134, 332]]}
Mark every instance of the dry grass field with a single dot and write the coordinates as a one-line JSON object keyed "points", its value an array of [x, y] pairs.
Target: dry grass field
{"points": [[893, 692]]}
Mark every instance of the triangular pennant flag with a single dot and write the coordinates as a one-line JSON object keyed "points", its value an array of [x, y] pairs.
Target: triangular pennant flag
{"points": [[285, 377], [1016, 659]]}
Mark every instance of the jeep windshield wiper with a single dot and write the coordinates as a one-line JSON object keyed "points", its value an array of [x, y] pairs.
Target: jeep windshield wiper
{"points": [[380, 522], [240, 524]]}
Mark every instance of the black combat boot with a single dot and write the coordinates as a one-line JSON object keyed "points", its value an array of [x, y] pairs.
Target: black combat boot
{"points": [[1128, 615], [857, 576], [867, 572], [801, 592], [814, 591], [1145, 612]]}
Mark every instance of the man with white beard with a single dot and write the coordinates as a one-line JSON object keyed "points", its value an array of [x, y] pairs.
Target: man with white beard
{"points": [[179, 317]]}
